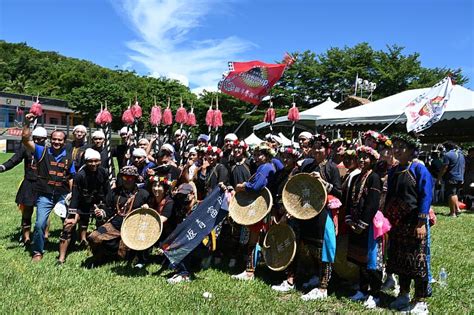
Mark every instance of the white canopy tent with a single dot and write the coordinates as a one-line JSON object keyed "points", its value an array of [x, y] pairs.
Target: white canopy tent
{"points": [[328, 107], [287, 142], [253, 140], [384, 111]]}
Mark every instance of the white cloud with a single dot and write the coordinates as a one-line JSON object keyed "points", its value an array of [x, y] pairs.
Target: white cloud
{"points": [[165, 46]]}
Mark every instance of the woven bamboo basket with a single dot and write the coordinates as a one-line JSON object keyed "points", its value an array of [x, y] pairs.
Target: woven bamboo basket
{"points": [[247, 208], [141, 228], [304, 196], [279, 247]]}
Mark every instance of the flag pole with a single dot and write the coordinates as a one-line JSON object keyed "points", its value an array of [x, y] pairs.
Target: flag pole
{"points": [[392, 122]]}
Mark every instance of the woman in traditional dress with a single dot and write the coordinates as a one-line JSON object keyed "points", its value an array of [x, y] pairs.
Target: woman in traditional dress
{"points": [[364, 249], [407, 207], [265, 174]]}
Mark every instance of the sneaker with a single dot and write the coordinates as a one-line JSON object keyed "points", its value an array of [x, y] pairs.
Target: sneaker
{"points": [[401, 302], [139, 265], [232, 262], [37, 257], [371, 302], [285, 286], [315, 294], [359, 296], [312, 283], [245, 276], [217, 260], [417, 308], [178, 279]]}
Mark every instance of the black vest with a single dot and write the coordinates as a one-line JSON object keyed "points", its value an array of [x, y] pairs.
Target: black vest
{"points": [[53, 176]]}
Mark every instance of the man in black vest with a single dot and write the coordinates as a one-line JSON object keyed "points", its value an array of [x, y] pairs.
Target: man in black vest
{"points": [[55, 171], [89, 189]]}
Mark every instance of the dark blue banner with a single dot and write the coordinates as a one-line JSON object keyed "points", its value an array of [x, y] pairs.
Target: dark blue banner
{"points": [[190, 233]]}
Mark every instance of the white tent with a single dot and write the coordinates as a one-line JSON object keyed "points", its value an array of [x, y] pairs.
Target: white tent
{"points": [[287, 142], [325, 108], [253, 140], [384, 111]]}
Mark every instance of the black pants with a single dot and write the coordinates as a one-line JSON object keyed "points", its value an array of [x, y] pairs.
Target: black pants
{"points": [[372, 278]]}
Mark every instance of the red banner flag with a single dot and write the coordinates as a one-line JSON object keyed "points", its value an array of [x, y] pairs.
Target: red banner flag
{"points": [[251, 81]]}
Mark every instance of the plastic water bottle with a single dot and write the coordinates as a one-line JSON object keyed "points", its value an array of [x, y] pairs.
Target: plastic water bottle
{"points": [[443, 278]]}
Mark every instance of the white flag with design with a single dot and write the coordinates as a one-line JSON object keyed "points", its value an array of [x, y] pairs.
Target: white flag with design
{"points": [[428, 108]]}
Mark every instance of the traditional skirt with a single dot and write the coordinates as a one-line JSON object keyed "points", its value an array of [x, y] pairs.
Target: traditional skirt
{"points": [[105, 242], [26, 194], [365, 251]]}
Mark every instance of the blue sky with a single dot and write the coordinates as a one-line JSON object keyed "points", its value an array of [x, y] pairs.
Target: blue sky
{"points": [[193, 40]]}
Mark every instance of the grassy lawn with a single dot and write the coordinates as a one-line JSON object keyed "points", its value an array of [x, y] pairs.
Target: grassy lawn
{"points": [[44, 287]]}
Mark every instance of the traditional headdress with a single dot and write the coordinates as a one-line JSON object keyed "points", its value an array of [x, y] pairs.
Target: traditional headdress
{"points": [[368, 150]]}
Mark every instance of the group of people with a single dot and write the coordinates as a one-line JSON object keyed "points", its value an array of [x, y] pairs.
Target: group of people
{"points": [[383, 196]]}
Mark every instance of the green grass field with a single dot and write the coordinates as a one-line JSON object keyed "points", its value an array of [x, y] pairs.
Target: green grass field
{"points": [[45, 287]]}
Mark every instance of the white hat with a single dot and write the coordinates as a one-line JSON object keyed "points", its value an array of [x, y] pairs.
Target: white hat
{"points": [[98, 134], [270, 137], [167, 147], [139, 152], [305, 135], [125, 130], [91, 154], [193, 150], [40, 132], [230, 136], [144, 140], [79, 127], [180, 132]]}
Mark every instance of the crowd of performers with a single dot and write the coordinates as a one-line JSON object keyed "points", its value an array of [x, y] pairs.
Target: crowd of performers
{"points": [[372, 184]]}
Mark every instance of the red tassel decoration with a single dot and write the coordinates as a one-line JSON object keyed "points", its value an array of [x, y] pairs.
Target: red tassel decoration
{"points": [[210, 117], [191, 121], [293, 113], [155, 115], [167, 115], [217, 120], [36, 109], [137, 110], [127, 117], [98, 118], [181, 114], [106, 117], [270, 115]]}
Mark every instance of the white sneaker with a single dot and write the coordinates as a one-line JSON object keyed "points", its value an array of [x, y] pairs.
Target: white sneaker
{"points": [[232, 262], [359, 296], [178, 279], [417, 308], [245, 276], [315, 294], [283, 287], [139, 266], [312, 283], [401, 302], [371, 302]]}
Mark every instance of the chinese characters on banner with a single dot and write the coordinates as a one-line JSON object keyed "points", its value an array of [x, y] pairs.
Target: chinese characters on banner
{"points": [[190, 233]]}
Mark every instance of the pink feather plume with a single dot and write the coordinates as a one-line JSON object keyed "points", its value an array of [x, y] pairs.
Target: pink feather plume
{"points": [[270, 115], [191, 120], [293, 113], [137, 110], [155, 115], [36, 109], [181, 114], [167, 118], [127, 117]]}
